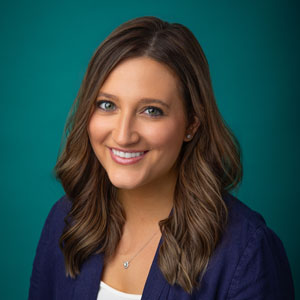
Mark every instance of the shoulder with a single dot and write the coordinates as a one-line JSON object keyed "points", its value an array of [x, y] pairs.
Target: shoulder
{"points": [[250, 258], [60, 208], [241, 214], [243, 225], [48, 266], [54, 224], [247, 229], [58, 212], [55, 221]]}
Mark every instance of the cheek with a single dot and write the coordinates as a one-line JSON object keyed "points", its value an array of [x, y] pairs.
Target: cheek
{"points": [[97, 129], [165, 135]]}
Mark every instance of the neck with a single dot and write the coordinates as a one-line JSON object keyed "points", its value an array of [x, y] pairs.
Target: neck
{"points": [[149, 204]]}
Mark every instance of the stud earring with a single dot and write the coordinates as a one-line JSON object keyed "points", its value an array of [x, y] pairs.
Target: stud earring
{"points": [[189, 136]]}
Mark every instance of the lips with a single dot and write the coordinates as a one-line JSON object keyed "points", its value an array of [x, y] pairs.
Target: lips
{"points": [[126, 157]]}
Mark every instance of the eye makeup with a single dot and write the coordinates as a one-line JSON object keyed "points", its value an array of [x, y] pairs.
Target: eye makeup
{"points": [[109, 106]]}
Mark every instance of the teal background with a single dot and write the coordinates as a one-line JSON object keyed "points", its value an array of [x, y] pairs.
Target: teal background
{"points": [[253, 51]]}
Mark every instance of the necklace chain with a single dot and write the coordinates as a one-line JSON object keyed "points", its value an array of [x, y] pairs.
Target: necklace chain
{"points": [[127, 262]]}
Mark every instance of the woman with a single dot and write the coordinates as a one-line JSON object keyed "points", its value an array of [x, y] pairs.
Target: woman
{"points": [[147, 169]]}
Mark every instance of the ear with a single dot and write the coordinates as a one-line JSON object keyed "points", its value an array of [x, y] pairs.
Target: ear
{"points": [[191, 129]]}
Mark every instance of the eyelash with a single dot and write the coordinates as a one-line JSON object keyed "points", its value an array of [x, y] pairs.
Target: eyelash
{"points": [[98, 104], [160, 112]]}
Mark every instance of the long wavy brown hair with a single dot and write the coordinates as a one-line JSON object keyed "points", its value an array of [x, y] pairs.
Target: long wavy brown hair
{"points": [[209, 165]]}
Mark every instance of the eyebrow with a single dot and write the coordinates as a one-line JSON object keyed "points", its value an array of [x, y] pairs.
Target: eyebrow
{"points": [[142, 100]]}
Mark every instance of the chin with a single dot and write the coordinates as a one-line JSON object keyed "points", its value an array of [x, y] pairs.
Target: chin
{"points": [[125, 183], [124, 186]]}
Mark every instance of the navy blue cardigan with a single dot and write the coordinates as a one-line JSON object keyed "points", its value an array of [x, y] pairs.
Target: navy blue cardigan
{"points": [[249, 263]]}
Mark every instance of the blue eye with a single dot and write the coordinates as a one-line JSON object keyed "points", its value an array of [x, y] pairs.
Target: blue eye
{"points": [[105, 105], [154, 111]]}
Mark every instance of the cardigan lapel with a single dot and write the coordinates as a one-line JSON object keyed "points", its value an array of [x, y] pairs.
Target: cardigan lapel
{"points": [[155, 282], [87, 284]]}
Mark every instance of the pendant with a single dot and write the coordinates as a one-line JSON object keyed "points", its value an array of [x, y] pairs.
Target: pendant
{"points": [[126, 264]]}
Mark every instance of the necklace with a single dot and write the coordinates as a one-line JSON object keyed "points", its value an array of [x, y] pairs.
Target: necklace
{"points": [[126, 263]]}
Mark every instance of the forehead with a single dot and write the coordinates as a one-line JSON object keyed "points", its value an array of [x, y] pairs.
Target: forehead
{"points": [[142, 77]]}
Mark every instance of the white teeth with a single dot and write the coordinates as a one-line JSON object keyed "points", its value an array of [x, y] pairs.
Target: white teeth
{"points": [[126, 154]]}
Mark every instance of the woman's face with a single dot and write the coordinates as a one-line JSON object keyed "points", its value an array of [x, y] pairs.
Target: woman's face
{"points": [[139, 124]]}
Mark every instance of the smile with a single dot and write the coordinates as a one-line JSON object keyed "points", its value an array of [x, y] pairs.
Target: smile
{"points": [[126, 154], [126, 158]]}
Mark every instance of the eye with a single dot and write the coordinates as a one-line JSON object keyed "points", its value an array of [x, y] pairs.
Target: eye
{"points": [[105, 105], [154, 111]]}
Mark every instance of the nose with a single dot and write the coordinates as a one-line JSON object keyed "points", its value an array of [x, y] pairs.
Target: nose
{"points": [[125, 133]]}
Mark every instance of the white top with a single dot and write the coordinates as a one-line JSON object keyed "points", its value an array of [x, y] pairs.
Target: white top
{"points": [[106, 292]]}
